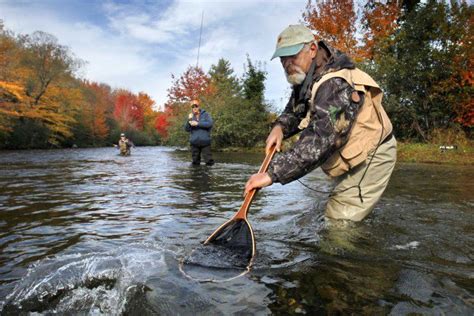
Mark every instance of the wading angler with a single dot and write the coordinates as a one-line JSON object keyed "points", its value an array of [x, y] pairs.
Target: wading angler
{"points": [[337, 111]]}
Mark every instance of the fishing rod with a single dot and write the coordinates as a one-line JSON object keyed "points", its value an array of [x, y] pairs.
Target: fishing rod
{"points": [[200, 35]]}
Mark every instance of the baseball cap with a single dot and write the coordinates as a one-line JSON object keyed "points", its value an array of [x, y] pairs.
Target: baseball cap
{"points": [[292, 40], [122, 135], [194, 102]]}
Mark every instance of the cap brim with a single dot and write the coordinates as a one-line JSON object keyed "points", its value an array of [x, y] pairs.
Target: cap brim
{"points": [[288, 50]]}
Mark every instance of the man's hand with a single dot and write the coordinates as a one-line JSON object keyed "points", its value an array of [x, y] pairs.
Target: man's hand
{"points": [[190, 116], [275, 137], [256, 181], [193, 123]]}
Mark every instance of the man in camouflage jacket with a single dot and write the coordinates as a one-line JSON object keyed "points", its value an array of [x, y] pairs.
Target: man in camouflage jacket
{"points": [[332, 114]]}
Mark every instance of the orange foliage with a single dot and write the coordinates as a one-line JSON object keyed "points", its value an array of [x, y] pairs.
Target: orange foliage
{"points": [[147, 103], [8, 57], [10, 95], [56, 109], [162, 122], [150, 115], [464, 61], [14, 103], [463, 82], [128, 111], [37, 83], [380, 21], [10, 91], [192, 84], [98, 103], [333, 21]]}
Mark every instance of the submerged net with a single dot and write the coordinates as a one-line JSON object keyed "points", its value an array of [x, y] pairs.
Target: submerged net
{"points": [[226, 255], [235, 236]]}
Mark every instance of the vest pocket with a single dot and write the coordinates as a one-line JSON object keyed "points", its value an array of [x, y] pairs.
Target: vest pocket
{"points": [[353, 154], [335, 165]]}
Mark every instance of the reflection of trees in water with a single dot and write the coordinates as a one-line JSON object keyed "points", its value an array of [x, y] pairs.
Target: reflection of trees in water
{"points": [[211, 186], [197, 182], [199, 178], [199, 185]]}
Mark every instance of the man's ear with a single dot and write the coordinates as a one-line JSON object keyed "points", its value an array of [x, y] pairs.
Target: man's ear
{"points": [[314, 49]]}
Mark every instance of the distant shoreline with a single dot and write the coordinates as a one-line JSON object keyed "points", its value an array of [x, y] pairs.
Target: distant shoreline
{"points": [[406, 152], [409, 152]]}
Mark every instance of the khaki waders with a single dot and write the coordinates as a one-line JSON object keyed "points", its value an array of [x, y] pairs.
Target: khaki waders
{"points": [[344, 201]]}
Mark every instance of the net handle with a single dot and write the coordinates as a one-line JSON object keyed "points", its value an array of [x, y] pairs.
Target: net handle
{"points": [[242, 213]]}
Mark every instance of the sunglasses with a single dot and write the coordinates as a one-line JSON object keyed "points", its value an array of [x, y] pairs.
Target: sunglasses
{"points": [[195, 106]]}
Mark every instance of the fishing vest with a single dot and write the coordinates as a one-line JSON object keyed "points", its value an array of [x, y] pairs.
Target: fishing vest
{"points": [[370, 128], [124, 147]]}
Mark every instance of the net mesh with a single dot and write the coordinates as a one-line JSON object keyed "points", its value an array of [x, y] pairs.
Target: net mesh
{"points": [[235, 236], [228, 253]]}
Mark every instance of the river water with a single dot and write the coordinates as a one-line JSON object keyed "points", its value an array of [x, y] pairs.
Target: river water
{"points": [[85, 231]]}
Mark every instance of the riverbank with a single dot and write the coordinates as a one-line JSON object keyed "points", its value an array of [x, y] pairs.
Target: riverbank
{"points": [[409, 152], [429, 153]]}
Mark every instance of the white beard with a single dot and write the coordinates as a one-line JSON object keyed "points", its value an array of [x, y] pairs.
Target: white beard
{"points": [[296, 78]]}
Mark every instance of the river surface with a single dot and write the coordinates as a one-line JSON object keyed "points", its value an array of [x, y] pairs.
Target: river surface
{"points": [[85, 231]]}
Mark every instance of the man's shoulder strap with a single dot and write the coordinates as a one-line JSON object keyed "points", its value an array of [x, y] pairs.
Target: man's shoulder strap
{"points": [[358, 79], [355, 77]]}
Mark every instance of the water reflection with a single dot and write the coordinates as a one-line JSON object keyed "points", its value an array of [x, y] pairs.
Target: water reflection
{"points": [[87, 231], [198, 183]]}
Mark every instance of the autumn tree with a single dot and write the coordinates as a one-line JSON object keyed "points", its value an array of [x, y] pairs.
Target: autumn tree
{"points": [[189, 86], [11, 91], [334, 21], [128, 111], [422, 70], [192, 84], [44, 62], [149, 118], [162, 123], [44, 71], [44, 104], [9, 53], [92, 128], [10, 97], [380, 22], [461, 80]]}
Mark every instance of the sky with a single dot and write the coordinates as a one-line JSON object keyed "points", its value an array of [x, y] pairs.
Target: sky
{"points": [[138, 44]]}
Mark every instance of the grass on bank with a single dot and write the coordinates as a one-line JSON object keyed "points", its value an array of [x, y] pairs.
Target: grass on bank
{"points": [[430, 153], [407, 152]]}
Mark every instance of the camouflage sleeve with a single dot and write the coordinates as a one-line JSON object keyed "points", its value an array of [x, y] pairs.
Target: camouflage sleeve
{"points": [[335, 111], [289, 119]]}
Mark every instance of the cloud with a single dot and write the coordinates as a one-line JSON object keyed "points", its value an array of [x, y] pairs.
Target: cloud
{"points": [[138, 45]]}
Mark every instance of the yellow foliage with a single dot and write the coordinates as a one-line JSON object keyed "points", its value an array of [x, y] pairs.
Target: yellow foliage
{"points": [[54, 108], [12, 88], [10, 96]]}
